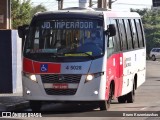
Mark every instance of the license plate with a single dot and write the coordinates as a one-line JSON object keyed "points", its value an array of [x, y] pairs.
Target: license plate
{"points": [[60, 86]]}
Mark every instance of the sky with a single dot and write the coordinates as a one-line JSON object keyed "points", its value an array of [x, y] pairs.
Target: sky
{"points": [[122, 5]]}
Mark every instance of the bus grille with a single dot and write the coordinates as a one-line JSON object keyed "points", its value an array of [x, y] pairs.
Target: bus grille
{"points": [[50, 91], [61, 78]]}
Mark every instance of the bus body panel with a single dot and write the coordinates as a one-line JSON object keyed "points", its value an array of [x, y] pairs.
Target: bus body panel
{"points": [[115, 71], [122, 68], [85, 90], [134, 65]]}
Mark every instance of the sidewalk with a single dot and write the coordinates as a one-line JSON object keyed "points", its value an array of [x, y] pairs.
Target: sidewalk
{"points": [[13, 102]]}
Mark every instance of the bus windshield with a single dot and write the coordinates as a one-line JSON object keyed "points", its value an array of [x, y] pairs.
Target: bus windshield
{"points": [[70, 38]]}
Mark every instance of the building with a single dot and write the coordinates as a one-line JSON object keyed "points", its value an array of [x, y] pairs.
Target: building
{"points": [[5, 14]]}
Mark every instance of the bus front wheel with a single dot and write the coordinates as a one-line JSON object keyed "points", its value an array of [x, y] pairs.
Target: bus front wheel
{"points": [[35, 105], [105, 105]]}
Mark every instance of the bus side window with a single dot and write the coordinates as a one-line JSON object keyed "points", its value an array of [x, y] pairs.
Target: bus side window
{"points": [[128, 33], [36, 40], [116, 38], [120, 42], [110, 46], [123, 35], [134, 33], [140, 33]]}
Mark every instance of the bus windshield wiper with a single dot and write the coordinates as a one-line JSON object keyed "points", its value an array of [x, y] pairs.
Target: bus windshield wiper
{"points": [[55, 55], [87, 54]]}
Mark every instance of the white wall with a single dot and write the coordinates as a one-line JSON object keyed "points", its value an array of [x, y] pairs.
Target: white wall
{"points": [[16, 62]]}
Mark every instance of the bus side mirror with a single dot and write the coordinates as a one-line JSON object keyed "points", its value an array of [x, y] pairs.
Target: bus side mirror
{"points": [[111, 31], [22, 30]]}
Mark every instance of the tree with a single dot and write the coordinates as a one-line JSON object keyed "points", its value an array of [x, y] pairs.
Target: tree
{"points": [[20, 12], [38, 8], [151, 23]]}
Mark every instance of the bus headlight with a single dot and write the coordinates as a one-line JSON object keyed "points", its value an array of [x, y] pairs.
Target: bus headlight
{"points": [[89, 77], [30, 76], [94, 75]]}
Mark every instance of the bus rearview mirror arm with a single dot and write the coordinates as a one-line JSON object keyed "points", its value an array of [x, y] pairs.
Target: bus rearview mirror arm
{"points": [[22, 31], [111, 31]]}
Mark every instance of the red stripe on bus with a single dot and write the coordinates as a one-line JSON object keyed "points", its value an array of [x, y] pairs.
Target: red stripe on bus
{"points": [[52, 67], [34, 67], [27, 65]]}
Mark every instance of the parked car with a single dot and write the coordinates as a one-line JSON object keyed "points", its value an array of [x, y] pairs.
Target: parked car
{"points": [[155, 54]]}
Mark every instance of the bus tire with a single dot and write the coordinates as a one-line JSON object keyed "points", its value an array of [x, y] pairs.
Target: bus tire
{"points": [[131, 95], [105, 105], [35, 105], [122, 99]]}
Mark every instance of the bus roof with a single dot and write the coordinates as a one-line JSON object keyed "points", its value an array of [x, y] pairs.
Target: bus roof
{"points": [[76, 13], [115, 14], [64, 14]]}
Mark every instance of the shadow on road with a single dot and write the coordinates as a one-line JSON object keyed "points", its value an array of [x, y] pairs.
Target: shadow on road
{"points": [[64, 108], [72, 110]]}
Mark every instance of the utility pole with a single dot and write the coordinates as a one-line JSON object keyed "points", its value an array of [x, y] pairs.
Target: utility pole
{"points": [[102, 4], [99, 5], [60, 4], [90, 3], [105, 4], [110, 4]]}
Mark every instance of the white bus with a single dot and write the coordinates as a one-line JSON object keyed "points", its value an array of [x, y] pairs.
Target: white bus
{"points": [[83, 55]]}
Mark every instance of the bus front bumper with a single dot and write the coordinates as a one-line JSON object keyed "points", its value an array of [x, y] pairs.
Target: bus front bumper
{"points": [[90, 91]]}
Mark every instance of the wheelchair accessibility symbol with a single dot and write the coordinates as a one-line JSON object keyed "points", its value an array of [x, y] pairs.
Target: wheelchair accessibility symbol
{"points": [[44, 67]]}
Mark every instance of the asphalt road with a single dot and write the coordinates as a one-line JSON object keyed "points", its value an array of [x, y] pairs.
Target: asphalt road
{"points": [[147, 99]]}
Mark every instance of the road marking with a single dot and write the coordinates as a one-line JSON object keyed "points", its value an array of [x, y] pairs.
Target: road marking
{"points": [[123, 118], [143, 108]]}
